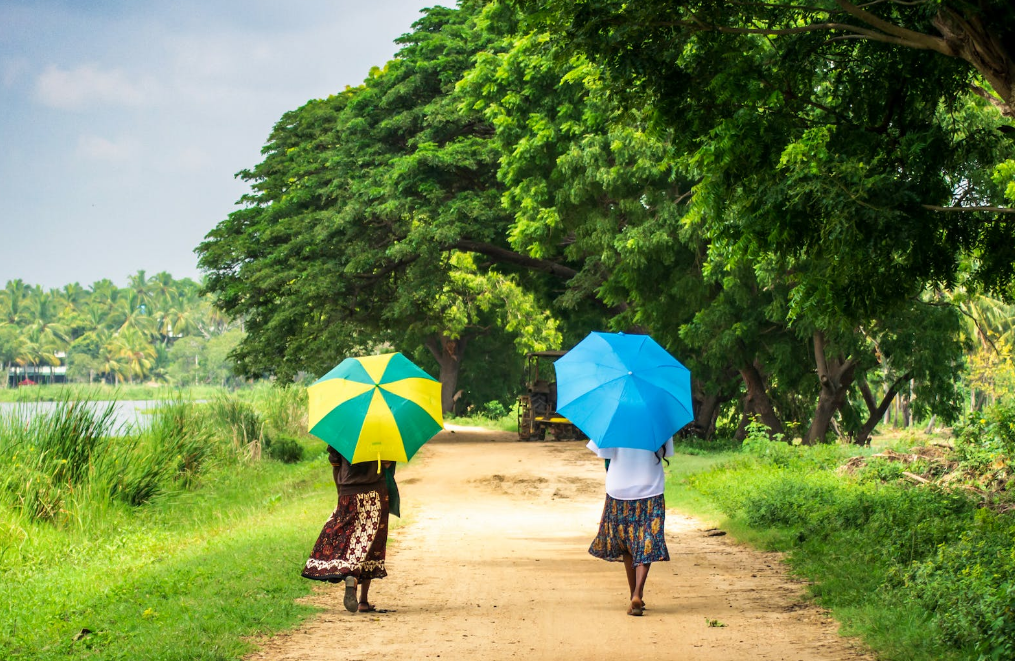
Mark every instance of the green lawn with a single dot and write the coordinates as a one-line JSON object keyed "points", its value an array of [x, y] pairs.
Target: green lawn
{"points": [[187, 577]]}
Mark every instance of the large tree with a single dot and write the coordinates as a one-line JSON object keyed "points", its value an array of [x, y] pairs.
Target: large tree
{"points": [[357, 211]]}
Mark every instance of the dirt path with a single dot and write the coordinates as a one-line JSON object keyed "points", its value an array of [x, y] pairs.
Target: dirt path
{"points": [[494, 565]]}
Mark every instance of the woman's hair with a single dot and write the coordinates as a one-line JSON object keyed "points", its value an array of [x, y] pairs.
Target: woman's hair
{"points": [[660, 454]]}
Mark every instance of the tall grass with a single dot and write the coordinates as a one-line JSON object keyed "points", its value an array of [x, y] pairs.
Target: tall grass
{"points": [[74, 457], [168, 541]]}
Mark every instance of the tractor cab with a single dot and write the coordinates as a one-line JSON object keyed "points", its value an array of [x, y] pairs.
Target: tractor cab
{"points": [[537, 407]]}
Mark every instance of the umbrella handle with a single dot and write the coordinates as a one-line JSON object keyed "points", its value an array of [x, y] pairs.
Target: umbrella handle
{"points": [[378, 463]]}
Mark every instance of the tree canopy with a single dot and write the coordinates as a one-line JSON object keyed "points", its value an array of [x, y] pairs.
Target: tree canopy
{"points": [[795, 200]]}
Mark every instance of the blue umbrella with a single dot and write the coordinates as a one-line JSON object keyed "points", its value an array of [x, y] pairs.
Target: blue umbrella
{"points": [[624, 391]]}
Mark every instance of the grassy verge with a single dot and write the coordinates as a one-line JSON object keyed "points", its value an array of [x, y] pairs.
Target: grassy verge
{"points": [[918, 572], [185, 580], [507, 422], [104, 392], [186, 569]]}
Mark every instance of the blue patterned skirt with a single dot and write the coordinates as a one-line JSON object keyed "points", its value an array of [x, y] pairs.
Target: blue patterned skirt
{"points": [[634, 527]]}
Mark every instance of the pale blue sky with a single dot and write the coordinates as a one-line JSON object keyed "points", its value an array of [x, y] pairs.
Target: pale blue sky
{"points": [[123, 122]]}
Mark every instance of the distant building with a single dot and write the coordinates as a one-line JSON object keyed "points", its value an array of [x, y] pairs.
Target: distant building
{"points": [[38, 374]]}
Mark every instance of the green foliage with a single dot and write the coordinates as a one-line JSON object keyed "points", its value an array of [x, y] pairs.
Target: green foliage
{"points": [[115, 335], [240, 422], [141, 528], [920, 572], [140, 579], [63, 460], [989, 434], [286, 449], [970, 584]]}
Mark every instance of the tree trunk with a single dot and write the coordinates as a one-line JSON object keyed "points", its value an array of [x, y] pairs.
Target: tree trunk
{"points": [[981, 46], [741, 433], [7, 375], [877, 411], [836, 376], [706, 412], [448, 354], [757, 400]]}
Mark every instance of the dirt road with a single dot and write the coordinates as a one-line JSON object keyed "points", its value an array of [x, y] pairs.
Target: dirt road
{"points": [[493, 564]]}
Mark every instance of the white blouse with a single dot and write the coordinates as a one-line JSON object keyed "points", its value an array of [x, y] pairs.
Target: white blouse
{"points": [[633, 474]]}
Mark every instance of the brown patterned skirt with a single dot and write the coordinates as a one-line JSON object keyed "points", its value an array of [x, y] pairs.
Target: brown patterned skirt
{"points": [[353, 540], [632, 527]]}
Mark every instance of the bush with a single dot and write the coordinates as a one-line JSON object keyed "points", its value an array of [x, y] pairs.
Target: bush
{"points": [[875, 545], [494, 410], [987, 436], [970, 586], [286, 449], [240, 422]]}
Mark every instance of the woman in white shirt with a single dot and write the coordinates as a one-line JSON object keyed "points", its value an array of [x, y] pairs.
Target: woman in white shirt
{"points": [[632, 527]]}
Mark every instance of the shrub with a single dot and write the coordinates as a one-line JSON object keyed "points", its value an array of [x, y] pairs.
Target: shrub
{"points": [[240, 422], [286, 449], [494, 410], [284, 408]]}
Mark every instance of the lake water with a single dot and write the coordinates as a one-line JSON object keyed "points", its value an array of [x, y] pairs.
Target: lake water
{"points": [[124, 413]]}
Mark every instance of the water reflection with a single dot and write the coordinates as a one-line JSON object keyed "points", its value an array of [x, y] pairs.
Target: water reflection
{"points": [[124, 413]]}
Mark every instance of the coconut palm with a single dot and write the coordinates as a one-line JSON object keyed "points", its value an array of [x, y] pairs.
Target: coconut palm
{"points": [[112, 363], [138, 354], [143, 290], [12, 303], [131, 312]]}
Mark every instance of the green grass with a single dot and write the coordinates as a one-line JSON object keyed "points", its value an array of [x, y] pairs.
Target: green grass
{"points": [[104, 392], [187, 579], [919, 573], [205, 560], [508, 422]]}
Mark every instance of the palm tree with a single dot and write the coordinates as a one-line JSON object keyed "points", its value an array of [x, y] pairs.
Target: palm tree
{"points": [[138, 354], [130, 312], [143, 291], [111, 357], [12, 303]]}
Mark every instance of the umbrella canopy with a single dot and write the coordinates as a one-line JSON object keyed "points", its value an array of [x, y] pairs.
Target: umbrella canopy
{"points": [[624, 391], [376, 407]]}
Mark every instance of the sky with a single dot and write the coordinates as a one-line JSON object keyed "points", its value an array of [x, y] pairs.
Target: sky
{"points": [[124, 122]]}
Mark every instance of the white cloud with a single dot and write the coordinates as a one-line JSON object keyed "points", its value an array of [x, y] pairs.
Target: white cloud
{"points": [[87, 86], [96, 148]]}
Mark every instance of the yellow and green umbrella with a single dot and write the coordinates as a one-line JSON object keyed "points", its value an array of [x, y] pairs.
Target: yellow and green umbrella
{"points": [[376, 407]]}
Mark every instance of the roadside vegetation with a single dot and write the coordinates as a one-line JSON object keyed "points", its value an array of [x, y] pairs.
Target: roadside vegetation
{"points": [[172, 540], [910, 542]]}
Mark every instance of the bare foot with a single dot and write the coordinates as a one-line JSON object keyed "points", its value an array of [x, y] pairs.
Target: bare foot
{"points": [[637, 607]]}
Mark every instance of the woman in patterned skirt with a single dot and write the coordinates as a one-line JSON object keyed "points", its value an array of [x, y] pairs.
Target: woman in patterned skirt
{"points": [[632, 527], [351, 547]]}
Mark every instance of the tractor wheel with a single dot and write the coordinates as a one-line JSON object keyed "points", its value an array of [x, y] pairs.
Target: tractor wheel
{"points": [[540, 403], [524, 419]]}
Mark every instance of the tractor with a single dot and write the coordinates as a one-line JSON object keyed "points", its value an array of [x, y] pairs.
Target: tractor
{"points": [[537, 408]]}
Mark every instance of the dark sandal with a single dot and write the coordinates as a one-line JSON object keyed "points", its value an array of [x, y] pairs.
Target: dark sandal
{"points": [[370, 608], [350, 602]]}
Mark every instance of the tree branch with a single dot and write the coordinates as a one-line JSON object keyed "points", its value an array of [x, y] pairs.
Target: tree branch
{"points": [[934, 207], [994, 101], [906, 37], [512, 257]]}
